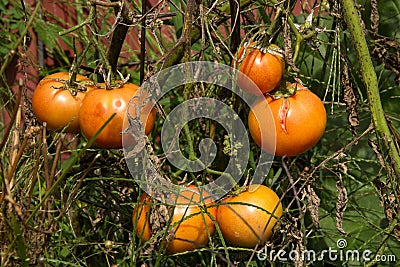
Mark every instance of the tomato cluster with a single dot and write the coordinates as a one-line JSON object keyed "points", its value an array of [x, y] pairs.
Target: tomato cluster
{"points": [[287, 119], [82, 105], [245, 219]]}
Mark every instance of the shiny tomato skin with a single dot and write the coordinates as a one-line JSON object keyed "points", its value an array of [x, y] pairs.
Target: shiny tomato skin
{"points": [[54, 104], [243, 224], [303, 127], [100, 104], [264, 69], [190, 226]]}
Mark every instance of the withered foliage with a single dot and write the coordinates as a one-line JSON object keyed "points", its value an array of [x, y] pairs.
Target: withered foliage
{"points": [[350, 98]]}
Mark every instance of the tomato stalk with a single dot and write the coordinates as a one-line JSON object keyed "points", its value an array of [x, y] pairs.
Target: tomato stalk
{"points": [[274, 24], [88, 20], [72, 85], [187, 27], [385, 138]]}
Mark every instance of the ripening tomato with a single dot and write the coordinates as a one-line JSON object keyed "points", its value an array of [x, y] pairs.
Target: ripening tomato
{"points": [[247, 219], [140, 217], [296, 125], [191, 223], [264, 69], [100, 104], [54, 103]]}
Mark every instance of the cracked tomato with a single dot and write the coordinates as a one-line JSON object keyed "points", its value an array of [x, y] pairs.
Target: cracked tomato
{"points": [[297, 122]]}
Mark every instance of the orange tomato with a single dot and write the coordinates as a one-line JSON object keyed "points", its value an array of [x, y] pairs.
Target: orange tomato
{"points": [[247, 219], [296, 125], [140, 217], [53, 103], [190, 225], [264, 69], [100, 104]]}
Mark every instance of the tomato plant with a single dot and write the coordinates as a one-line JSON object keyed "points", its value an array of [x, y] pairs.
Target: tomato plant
{"points": [[191, 224], [299, 121], [264, 68], [247, 219], [57, 103], [100, 104]]}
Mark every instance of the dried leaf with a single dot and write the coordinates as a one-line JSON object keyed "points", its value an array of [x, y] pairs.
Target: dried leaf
{"points": [[377, 151], [374, 16], [386, 50], [341, 205], [313, 205], [350, 97], [390, 204]]}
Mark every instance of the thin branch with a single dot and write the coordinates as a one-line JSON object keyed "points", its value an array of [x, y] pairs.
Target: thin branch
{"points": [[143, 42]]}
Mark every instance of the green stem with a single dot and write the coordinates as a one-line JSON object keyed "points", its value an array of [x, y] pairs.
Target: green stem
{"points": [[275, 23], [88, 20], [227, 175], [371, 84], [177, 52], [299, 38], [104, 58], [186, 58]]}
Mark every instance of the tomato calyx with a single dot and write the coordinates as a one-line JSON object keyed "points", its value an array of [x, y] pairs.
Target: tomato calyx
{"points": [[272, 49], [263, 48], [74, 87], [285, 91], [111, 83], [237, 190]]}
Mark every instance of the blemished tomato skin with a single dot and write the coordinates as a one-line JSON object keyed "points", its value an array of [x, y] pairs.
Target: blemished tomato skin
{"points": [[190, 227], [264, 69], [193, 232], [58, 107], [243, 224], [100, 104], [140, 218], [304, 123]]}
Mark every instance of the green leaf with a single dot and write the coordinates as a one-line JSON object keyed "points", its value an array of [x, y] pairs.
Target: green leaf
{"points": [[178, 19], [389, 12], [5, 45], [47, 33]]}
